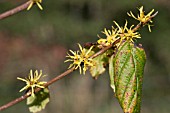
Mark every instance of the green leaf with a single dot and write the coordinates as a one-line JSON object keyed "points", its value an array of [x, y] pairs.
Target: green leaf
{"points": [[126, 73], [111, 72], [99, 66], [38, 102]]}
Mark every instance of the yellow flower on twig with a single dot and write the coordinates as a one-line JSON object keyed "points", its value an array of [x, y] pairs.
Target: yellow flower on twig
{"points": [[130, 34], [126, 33], [32, 81], [144, 19], [111, 36], [38, 2], [120, 33], [80, 58]]}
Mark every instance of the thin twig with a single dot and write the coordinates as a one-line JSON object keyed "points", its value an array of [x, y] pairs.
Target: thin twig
{"points": [[67, 72], [101, 51], [15, 10], [59, 77]]}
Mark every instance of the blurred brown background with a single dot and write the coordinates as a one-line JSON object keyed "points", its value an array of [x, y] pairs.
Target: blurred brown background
{"points": [[40, 40]]}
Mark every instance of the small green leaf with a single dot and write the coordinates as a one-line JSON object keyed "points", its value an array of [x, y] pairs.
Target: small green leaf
{"points": [[126, 73], [38, 102], [111, 73], [99, 67]]}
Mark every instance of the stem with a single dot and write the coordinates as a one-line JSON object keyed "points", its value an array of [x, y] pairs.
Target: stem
{"points": [[101, 51], [59, 77], [15, 10]]}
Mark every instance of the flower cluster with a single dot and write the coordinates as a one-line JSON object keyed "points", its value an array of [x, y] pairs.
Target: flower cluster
{"points": [[144, 19], [81, 58], [32, 81], [38, 2], [124, 33]]}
